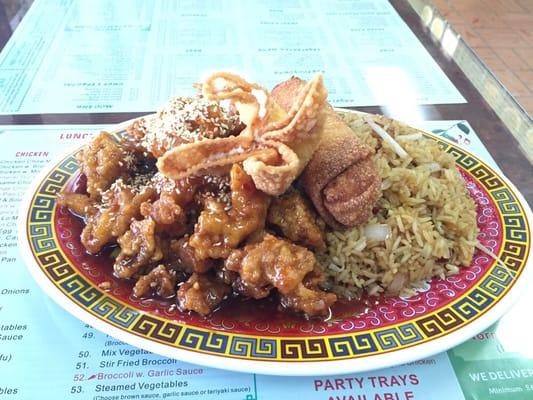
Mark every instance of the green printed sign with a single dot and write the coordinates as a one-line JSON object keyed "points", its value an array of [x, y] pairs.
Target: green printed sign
{"points": [[485, 371]]}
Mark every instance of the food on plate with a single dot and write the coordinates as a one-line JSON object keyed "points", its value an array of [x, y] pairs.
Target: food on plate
{"points": [[340, 177], [423, 224], [186, 194], [292, 214], [277, 263], [242, 193], [264, 146]]}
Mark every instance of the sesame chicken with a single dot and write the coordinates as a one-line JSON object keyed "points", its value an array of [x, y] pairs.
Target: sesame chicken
{"points": [[193, 242]]}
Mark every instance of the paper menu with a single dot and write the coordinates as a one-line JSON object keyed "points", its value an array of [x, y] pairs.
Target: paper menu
{"points": [[47, 353], [460, 133], [124, 56]]}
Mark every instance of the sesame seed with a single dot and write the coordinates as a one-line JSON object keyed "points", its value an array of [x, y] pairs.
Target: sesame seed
{"points": [[162, 183], [189, 119], [129, 159]]}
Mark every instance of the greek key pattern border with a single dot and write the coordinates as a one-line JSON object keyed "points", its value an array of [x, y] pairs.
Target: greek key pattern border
{"points": [[487, 292]]}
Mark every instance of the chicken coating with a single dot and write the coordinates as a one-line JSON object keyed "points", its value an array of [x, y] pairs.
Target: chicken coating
{"points": [[311, 301], [297, 221], [111, 219], [271, 263], [184, 258], [103, 161], [159, 280], [167, 214], [276, 263], [139, 247], [220, 230], [79, 204], [185, 120], [202, 293]]}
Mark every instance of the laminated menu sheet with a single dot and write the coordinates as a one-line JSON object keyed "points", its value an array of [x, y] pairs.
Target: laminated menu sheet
{"points": [[72, 56], [46, 353]]}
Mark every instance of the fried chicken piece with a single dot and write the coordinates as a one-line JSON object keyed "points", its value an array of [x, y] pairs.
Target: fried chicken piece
{"points": [[160, 280], [311, 301], [79, 204], [185, 120], [186, 189], [271, 263], [276, 263], [258, 290], [214, 234], [291, 213], [167, 214], [139, 247], [109, 220], [220, 230], [184, 258], [195, 189], [308, 297], [202, 293], [103, 161]]}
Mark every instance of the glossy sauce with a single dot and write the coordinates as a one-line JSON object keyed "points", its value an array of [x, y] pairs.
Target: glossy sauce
{"points": [[269, 310], [233, 308]]}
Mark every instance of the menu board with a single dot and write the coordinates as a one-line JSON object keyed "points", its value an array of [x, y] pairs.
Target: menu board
{"points": [[73, 56], [45, 353]]}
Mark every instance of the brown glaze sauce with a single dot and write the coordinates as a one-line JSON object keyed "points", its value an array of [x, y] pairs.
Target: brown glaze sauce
{"points": [[234, 308], [269, 310]]}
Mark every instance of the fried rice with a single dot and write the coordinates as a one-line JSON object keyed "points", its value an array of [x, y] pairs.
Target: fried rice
{"points": [[425, 209]]}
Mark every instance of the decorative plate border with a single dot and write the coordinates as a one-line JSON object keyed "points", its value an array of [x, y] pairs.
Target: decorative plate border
{"points": [[40, 237]]}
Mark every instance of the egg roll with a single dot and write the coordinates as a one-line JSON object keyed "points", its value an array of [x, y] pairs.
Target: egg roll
{"points": [[340, 177]]}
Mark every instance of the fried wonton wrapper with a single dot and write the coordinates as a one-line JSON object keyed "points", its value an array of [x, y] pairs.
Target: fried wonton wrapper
{"points": [[265, 146]]}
